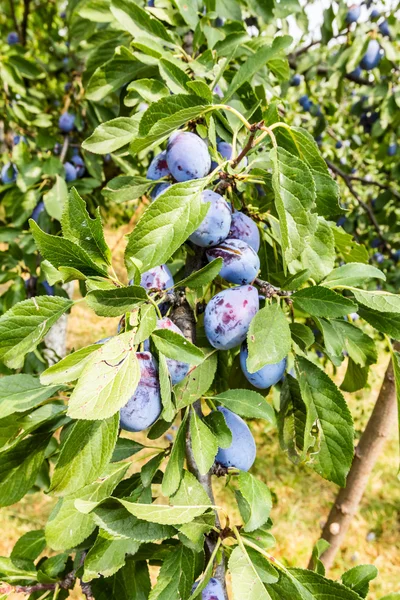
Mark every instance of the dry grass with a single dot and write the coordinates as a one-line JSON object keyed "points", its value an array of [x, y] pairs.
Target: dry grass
{"points": [[302, 498]]}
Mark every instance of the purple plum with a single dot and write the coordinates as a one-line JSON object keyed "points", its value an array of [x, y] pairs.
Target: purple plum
{"points": [[353, 14], [79, 165], [187, 156], [157, 278], [12, 38], [212, 591], [372, 57], [144, 408], [37, 211], [9, 173], [243, 228], [159, 189], [66, 122], [228, 315], [265, 377], [241, 454], [384, 28], [158, 167], [70, 172], [241, 263], [177, 369], [296, 80], [225, 150], [215, 226]]}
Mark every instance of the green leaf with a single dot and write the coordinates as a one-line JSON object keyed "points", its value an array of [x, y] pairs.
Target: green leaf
{"points": [[269, 323], [174, 469], [294, 190], [385, 322], [84, 454], [56, 198], [188, 10], [165, 389], [9, 572], [352, 274], [125, 448], [22, 392], [29, 546], [175, 78], [292, 420], [359, 345], [302, 335], [150, 90], [61, 252], [120, 524], [196, 383], [66, 526], [328, 411], [175, 346], [24, 326], [203, 276], [87, 233], [166, 224], [125, 188], [258, 498], [204, 444], [216, 422], [256, 62], [107, 556], [134, 19], [318, 257], [162, 514], [380, 301], [246, 582], [358, 578], [115, 371], [322, 302], [348, 247], [149, 470], [115, 302], [176, 575], [356, 377], [297, 584], [247, 403], [68, 368], [112, 135], [132, 582], [19, 467]]}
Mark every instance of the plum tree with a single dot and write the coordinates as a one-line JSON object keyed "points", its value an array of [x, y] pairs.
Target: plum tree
{"points": [[228, 316], [241, 262], [267, 376], [187, 156], [244, 228], [241, 454], [215, 226], [144, 407]]}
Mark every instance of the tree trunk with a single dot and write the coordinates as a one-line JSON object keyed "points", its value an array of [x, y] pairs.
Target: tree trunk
{"points": [[365, 457]]}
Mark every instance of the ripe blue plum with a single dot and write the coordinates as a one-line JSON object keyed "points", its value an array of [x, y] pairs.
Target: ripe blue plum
{"points": [[296, 80], [37, 211], [19, 138], [241, 263], [212, 591], [228, 316], [177, 369], [375, 13], [187, 156], [218, 91], [353, 14], [9, 173], [339, 144], [159, 189], [265, 377], [384, 28], [215, 226], [378, 257], [12, 38], [372, 57], [66, 122], [79, 165], [392, 149], [225, 151], [49, 289], [157, 278], [243, 228], [70, 172], [158, 167], [241, 454], [341, 221], [356, 73], [144, 408], [305, 102]]}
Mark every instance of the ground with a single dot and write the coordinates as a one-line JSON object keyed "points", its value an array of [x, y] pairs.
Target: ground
{"points": [[302, 499]]}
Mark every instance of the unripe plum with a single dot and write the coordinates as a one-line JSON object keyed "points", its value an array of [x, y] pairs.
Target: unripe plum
{"points": [[241, 263], [241, 454], [243, 228], [372, 57], [265, 377], [177, 369], [353, 14], [158, 167], [9, 173], [215, 226], [12, 38], [187, 156], [159, 189], [144, 408], [66, 122], [70, 172], [158, 278], [228, 316], [212, 591]]}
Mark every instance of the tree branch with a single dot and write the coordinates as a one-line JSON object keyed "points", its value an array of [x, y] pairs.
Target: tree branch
{"points": [[24, 25], [348, 181], [381, 186]]}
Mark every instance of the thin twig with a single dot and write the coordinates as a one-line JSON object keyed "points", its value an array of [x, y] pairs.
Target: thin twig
{"points": [[64, 149], [376, 183]]}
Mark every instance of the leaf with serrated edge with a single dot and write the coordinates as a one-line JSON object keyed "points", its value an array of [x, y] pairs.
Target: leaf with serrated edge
{"points": [[196, 383], [246, 582], [107, 556], [112, 135], [68, 368], [268, 338], [175, 346], [322, 302], [378, 300], [22, 392], [352, 274], [204, 444], [174, 470], [203, 276], [115, 302], [108, 381], [258, 497], [247, 403], [164, 515]]}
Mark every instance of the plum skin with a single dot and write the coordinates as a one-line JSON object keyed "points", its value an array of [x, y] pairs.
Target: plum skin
{"points": [[177, 369], [70, 172], [159, 278], [243, 228], [66, 122], [267, 376], [241, 454], [212, 591], [372, 56], [144, 407], [241, 263], [159, 189], [187, 156], [6, 177], [158, 167], [228, 316], [215, 226]]}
